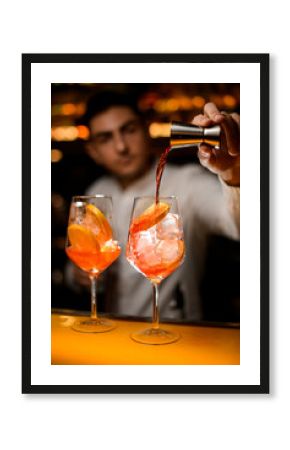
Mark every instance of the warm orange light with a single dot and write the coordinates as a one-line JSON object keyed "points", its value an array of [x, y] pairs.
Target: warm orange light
{"points": [[68, 109], [56, 155], [229, 101], [56, 133], [198, 101], [184, 103], [157, 130], [172, 104], [83, 132], [217, 100], [71, 133], [80, 108], [160, 105], [64, 133]]}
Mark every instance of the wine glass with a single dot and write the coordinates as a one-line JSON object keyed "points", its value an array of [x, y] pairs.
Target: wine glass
{"points": [[155, 248], [91, 246]]}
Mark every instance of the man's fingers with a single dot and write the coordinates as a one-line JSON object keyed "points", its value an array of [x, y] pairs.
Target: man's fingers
{"points": [[236, 118], [230, 124], [204, 150], [213, 112], [201, 121], [206, 157], [232, 135]]}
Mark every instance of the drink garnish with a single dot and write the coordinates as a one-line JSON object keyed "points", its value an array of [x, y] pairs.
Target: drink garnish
{"points": [[101, 223], [82, 238], [150, 217]]}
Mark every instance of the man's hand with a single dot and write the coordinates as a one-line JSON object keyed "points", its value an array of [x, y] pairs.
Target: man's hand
{"points": [[225, 162]]}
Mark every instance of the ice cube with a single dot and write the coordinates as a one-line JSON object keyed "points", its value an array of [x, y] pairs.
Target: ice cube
{"points": [[77, 212], [143, 245], [149, 258], [144, 240], [169, 250], [110, 246], [170, 227]]}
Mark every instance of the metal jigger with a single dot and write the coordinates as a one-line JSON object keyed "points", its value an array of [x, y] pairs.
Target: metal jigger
{"points": [[184, 135]]}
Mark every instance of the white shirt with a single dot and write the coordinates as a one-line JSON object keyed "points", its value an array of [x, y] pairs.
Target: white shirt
{"points": [[206, 206]]}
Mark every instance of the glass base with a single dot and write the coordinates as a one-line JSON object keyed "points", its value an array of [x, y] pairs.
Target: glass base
{"points": [[155, 336], [93, 325]]}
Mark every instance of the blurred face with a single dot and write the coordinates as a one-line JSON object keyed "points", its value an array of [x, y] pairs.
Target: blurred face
{"points": [[119, 143]]}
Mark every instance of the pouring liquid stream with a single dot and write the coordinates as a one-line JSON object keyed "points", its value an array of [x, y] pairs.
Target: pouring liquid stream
{"points": [[159, 171], [184, 135]]}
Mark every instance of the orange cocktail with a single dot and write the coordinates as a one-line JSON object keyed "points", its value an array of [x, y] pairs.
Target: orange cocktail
{"points": [[91, 246], [155, 248]]}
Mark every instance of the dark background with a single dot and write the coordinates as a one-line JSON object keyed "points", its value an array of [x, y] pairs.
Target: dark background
{"points": [[72, 171]]}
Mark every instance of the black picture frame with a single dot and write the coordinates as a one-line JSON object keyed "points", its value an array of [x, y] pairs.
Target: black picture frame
{"points": [[263, 61]]}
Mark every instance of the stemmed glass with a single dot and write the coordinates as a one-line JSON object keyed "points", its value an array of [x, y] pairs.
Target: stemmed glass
{"points": [[155, 248], [91, 246]]}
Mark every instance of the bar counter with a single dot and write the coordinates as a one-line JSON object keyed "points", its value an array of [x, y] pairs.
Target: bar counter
{"points": [[201, 344]]}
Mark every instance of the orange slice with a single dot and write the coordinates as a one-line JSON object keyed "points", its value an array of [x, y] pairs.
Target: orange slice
{"points": [[98, 219], [151, 216], [82, 238]]}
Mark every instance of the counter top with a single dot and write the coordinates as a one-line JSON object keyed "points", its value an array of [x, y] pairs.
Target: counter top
{"points": [[201, 344]]}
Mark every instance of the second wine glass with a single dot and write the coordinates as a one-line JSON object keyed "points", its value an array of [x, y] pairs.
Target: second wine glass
{"points": [[91, 246], [155, 248]]}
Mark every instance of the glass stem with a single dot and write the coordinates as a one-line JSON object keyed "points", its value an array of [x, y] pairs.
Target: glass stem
{"points": [[93, 279], [155, 308]]}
